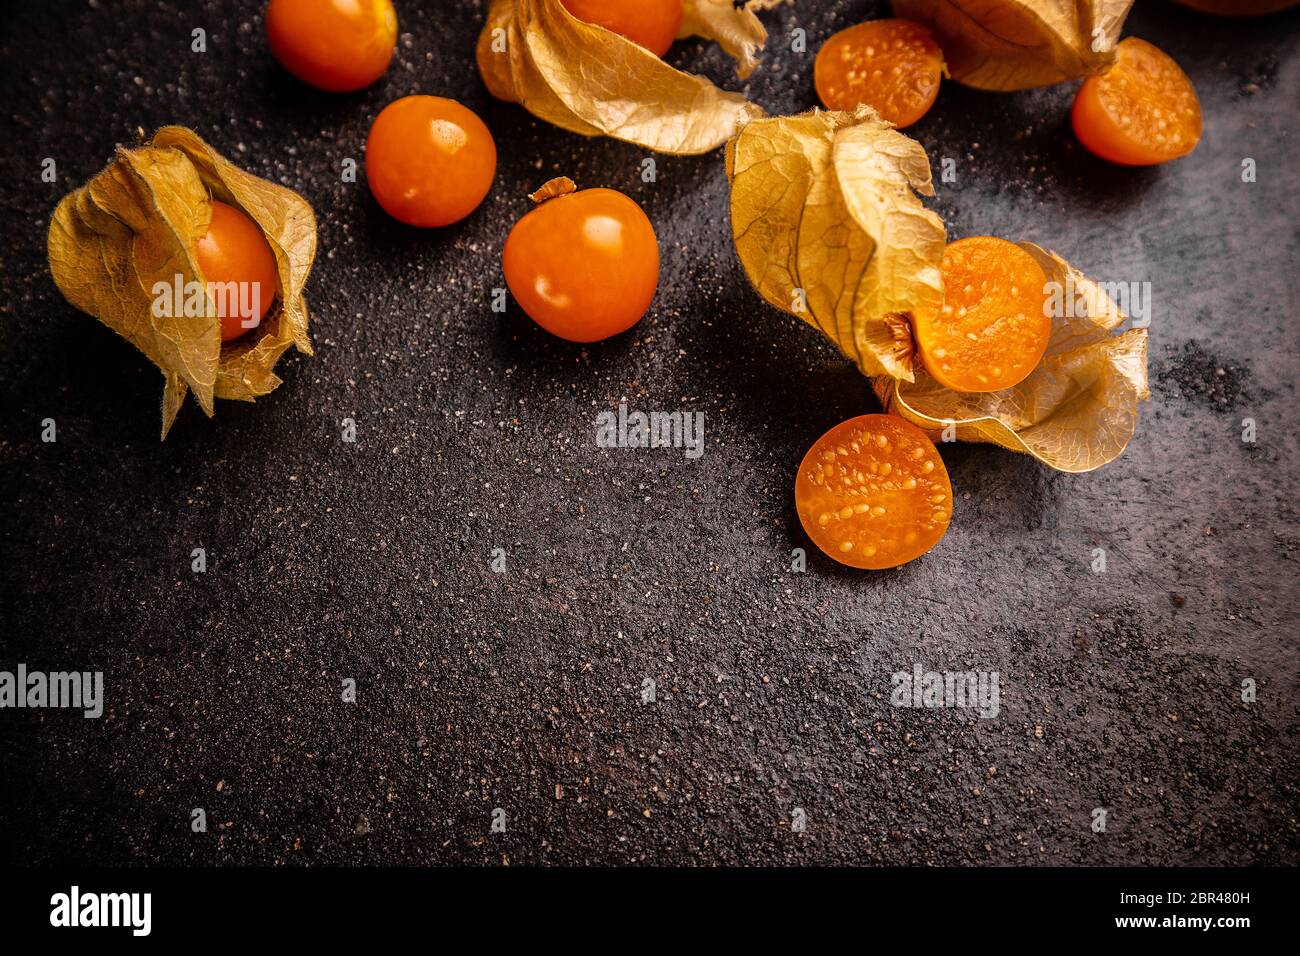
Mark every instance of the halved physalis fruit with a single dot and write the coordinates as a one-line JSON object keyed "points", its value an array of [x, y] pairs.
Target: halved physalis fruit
{"points": [[652, 24], [1140, 112], [873, 493], [892, 66], [992, 329]]}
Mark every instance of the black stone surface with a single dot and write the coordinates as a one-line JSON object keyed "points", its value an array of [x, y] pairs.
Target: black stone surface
{"points": [[522, 690]]}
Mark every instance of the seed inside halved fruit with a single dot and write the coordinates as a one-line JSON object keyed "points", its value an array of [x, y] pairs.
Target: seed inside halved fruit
{"points": [[1140, 112], [992, 329], [873, 492], [891, 65]]}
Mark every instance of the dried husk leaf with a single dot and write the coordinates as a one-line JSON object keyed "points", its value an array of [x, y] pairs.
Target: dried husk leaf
{"points": [[1076, 412], [738, 31], [133, 225], [136, 224], [829, 228], [1021, 44], [588, 80]]}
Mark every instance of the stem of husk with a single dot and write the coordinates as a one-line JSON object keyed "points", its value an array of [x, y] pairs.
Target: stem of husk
{"points": [[559, 186]]}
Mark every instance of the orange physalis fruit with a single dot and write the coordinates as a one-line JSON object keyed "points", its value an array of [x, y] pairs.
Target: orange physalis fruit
{"points": [[239, 268], [893, 66], [584, 265], [873, 492], [992, 329], [1140, 112], [649, 23], [336, 45], [429, 160]]}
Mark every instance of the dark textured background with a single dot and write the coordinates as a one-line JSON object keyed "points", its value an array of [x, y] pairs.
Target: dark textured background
{"points": [[521, 690]]}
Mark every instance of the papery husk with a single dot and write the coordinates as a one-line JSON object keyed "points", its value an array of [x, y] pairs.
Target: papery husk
{"points": [[1075, 412], [824, 211], [588, 80], [739, 32], [136, 224], [1021, 44], [1239, 8]]}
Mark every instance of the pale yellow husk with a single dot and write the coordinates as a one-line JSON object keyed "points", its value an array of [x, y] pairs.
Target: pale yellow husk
{"points": [[588, 80], [1075, 412], [1021, 44], [829, 228], [136, 224]]}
